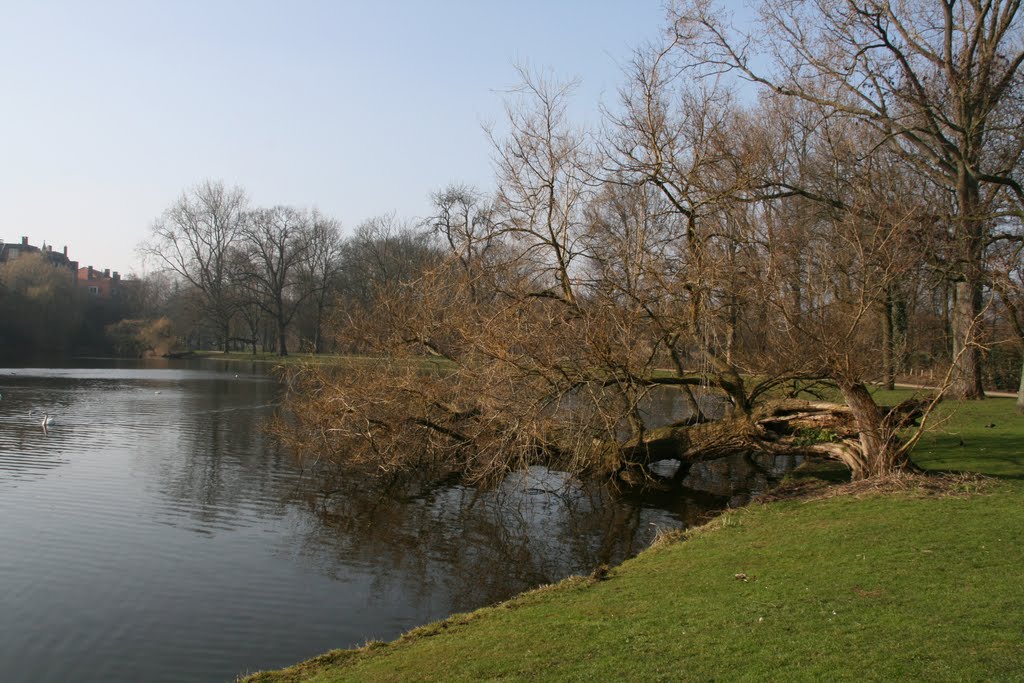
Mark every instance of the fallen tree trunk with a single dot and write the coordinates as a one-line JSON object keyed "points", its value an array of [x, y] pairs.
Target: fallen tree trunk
{"points": [[427, 422], [786, 427]]}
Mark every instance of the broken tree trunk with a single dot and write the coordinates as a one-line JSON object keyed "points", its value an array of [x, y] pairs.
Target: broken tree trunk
{"points": [[862, 436]]}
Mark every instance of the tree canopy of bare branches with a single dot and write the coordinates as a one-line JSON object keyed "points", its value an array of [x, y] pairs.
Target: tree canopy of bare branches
{"points": [[194, 239], [935, 82], [860, 219]]}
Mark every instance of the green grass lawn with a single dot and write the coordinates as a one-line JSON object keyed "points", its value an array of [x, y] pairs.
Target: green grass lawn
{"points": [[874, 587], [962, 440]]}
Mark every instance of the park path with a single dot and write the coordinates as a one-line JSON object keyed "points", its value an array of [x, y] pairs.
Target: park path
{"points": [[989, 394]]}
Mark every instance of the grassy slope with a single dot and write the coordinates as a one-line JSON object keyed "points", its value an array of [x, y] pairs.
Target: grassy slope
{"points": [[881, 587]]}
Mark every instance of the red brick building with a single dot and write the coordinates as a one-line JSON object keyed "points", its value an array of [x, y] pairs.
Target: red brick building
{"points": [[102, 285], [105, 285]]}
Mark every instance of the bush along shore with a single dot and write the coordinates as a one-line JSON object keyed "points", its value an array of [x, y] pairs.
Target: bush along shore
{"points": [[915, 577]]}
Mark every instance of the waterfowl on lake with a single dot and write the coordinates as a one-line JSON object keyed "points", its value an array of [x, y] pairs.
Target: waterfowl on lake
{"points": [[47, 420]]}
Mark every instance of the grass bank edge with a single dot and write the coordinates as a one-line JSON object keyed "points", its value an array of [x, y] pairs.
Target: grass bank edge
{"points": [[983, 437]]}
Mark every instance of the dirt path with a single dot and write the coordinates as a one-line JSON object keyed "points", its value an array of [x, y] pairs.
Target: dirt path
{"points": [[990, 394]]}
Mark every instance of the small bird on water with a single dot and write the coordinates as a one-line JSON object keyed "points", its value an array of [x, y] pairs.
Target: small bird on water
{"points": [[47, 420]]}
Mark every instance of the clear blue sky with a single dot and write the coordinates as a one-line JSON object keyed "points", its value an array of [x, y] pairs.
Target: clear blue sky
{"points": [[110, 108]]}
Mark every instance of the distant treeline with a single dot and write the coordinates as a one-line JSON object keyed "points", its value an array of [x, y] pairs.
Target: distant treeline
{"points": [[44, 311]]}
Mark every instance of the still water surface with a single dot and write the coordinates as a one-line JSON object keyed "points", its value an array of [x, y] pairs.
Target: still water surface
{"points": [[154, 534]]}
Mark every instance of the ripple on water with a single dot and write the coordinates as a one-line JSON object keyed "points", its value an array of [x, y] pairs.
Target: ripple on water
{"points": [[160, 537]]}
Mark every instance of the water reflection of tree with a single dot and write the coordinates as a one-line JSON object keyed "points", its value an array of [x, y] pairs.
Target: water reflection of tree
{"points": [[442, 545], [225, 466], [472, 547]]}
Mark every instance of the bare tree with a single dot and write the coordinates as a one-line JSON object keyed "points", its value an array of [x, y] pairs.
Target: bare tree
{"points": [[383, 251], [468, 223], [937, 83], [321, 270], [542, 167], [194, 239], [276, 245], [742, 247], [249, 300], [1009, 283], [691, 143], [833, 331]]}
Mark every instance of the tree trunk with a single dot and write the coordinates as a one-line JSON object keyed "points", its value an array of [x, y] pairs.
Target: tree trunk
{"points": [[967, 290], [966, 353], [877, 455], [227, 338], [732, 384], [282, 327], [732, 327], [888, 343], [318, 343], [862, 435], [1020, 389], [947, 321]]}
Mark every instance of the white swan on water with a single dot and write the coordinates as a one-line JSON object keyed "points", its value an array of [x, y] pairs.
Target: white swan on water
{"points": [[47, 420]]}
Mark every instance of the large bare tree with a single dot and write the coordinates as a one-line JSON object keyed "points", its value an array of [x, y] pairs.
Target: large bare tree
{"points": [[468, 223], [542, 170], [276, 245], [696, 146], [321, 271], [936, 82], [1009, 283], [194, 238], [738, 249]]}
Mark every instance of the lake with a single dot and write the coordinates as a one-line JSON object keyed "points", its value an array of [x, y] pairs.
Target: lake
{"points": [[153, 533]]}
